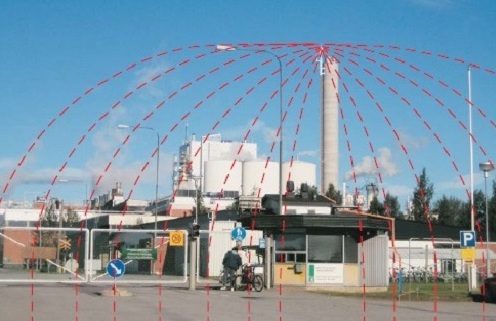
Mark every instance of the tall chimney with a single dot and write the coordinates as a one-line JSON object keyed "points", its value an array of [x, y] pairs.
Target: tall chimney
{"points": [[329, 124]]}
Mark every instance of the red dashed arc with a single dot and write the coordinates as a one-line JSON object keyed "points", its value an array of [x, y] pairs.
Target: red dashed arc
{"points": [[358, 85]]}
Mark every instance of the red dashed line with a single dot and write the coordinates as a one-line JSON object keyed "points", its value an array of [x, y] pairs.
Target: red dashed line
{"points": [[117, 74], [31, 147], [252, 70], [102, 82], [103, 116], [211, 94], [223, 85], [41, 134], [213, 70], [130, 67], [148, 116], [169, 70], [88, 91], [185, 116], [128, 94], [174, 127], [75, 101], [172, 95], [186, 85], [141, 86], [116, 104], [146, 59]]}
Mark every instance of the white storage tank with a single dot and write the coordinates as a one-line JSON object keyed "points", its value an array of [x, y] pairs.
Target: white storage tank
{"points": [[215, 175], [260, 175], [301, 172]]}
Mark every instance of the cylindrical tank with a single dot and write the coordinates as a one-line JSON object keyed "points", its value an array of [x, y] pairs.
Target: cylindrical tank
{"points": [[260, 175], [301, 172], [220, 176]]}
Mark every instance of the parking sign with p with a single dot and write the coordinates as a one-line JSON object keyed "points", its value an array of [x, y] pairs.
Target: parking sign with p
{"points": [[467, 238]]}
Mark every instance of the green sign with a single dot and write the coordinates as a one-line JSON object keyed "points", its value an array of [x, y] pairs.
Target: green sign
{"points": [[139, 254]]}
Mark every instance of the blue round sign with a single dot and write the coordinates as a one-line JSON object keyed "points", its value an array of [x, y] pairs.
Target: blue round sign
{"points": [[116, 268], [238, 233]]}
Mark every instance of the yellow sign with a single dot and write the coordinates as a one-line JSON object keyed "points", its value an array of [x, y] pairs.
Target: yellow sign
{"points": [[176, 238], [468, 254], [65, 245]]}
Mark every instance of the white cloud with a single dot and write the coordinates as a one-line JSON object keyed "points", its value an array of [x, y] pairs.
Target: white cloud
{"points": [[367, 167]]}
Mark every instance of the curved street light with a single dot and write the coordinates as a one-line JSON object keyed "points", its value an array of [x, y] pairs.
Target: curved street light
{"points": [[232, 48]]}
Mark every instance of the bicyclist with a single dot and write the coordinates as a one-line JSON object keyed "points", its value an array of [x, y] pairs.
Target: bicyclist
{"points": [[231, 263]]}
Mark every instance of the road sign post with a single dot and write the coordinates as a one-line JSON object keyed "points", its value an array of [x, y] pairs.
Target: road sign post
{"points": [[116, 268], [238, 233]]}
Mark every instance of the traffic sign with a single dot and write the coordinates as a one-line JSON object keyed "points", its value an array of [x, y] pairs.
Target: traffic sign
{"points": [[116, 268], [261, 243], [467, 238], [468, 255], [139, 254], [65, 245], [238, 233], [176, 238]]}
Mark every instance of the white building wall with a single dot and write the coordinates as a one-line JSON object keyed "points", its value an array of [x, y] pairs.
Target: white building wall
{"points": [[301, 172], [258, 176], [215, 176]]}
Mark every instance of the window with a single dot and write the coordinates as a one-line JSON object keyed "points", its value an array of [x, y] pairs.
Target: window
{"points": [[325, 249], [290, 248], [290, 242]]}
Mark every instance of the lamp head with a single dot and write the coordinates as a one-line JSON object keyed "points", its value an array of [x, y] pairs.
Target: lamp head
{"points": [[225, 47], [486, 167]]}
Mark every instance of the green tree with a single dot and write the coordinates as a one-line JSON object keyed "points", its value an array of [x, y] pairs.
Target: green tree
{"points": [[464, 221], [449, 210], [492, 210], [422, 196], [376, 207], [334, 194], [392, 206]]}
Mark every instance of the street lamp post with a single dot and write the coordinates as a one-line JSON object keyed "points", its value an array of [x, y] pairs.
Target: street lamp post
{"points": [[156, 174], [268, 246], [196, 179], [232, 48], [486, 167]]}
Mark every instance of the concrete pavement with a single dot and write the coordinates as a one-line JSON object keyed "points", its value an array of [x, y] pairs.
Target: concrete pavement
{"points": [[54, 302]]}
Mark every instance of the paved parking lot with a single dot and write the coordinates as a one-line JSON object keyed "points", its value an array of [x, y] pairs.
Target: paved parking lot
{"points": [[53, 302]]}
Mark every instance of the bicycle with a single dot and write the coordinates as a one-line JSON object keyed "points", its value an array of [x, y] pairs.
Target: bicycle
{"points": [[249, 278]]}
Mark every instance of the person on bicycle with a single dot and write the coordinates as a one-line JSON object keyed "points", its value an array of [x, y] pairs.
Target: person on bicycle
{"points": [[231, 263]]}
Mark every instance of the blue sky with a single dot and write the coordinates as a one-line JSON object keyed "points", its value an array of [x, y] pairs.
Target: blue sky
{"points": [[53, 52]]}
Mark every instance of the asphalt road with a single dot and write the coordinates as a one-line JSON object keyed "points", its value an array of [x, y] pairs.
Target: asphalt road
{"points": [[54, 302]]}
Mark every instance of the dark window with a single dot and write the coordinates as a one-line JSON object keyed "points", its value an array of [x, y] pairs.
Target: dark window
{"points": [[350, 250], [325, 249], [290, 242]]}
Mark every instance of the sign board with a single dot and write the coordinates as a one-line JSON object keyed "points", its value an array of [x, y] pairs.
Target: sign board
{"points": [[325, 273], [116, 268], [467, 239], [238, 233], [138, 254], [176, 238], [261, 243], [65, 244], [468, 255]]}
